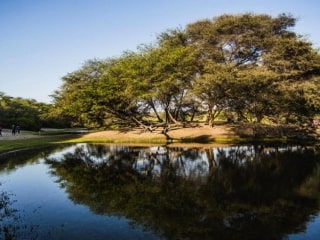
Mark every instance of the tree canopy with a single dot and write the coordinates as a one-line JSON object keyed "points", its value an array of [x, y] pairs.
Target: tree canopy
{"points": [[27, 113], [250, 66]]}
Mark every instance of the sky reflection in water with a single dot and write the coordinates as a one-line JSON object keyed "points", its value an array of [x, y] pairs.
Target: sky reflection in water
{"points": [[90, 191]]}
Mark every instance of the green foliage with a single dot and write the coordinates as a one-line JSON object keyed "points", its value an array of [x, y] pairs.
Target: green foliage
{"points": [[312, 96], [77, 101], [248, 61], [27, 113], [248, 65]]}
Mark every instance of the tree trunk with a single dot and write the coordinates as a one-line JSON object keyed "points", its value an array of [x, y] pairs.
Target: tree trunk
{"points": [[145, 127], [155, 111], [210, 118], [173, 119]]}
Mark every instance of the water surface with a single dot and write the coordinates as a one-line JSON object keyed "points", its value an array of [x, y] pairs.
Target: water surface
{"points": [[92, 191]]}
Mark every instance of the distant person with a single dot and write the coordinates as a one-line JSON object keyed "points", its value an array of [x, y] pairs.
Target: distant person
{"points": [[0, 131], [13, 129], [18, 129]]}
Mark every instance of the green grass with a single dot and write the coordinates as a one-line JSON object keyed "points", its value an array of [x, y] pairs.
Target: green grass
{"points": [[106, 140], [163, 140], [25, 143]]}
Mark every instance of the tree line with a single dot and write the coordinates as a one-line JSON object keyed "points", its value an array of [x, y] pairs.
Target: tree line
{"points": [[253, 67], [249, 67], [27, 113]]}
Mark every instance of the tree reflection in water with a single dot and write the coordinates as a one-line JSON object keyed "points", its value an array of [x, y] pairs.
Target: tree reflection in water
{"points": [[240, 192], [12, 223]]}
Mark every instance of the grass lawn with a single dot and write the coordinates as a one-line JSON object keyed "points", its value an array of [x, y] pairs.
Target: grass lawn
{"points": [[33, 141]]}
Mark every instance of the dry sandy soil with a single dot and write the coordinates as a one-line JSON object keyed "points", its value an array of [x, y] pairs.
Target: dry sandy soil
{"points": [[136, 134], [180, 133], [205, 133]]}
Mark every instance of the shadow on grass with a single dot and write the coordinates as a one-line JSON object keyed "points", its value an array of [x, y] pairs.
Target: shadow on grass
{"points": [[255, 130], [199, 139]]}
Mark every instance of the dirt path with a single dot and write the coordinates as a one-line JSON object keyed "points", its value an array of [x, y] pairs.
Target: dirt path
{"points": [[7, 135]]}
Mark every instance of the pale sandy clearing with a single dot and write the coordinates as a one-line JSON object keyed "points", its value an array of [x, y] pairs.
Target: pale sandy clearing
{"points": [[181, 133], [191, 133]]}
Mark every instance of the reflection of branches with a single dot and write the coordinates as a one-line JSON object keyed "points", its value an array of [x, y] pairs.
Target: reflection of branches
{"points": [[8, 230], [218, 193], [11, 225], [13, 160]]}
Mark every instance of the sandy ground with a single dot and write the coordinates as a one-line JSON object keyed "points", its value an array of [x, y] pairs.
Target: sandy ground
{"points": [[197, 133]]}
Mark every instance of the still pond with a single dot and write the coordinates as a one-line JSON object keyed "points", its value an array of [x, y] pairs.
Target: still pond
{"points": [[95, 191]]}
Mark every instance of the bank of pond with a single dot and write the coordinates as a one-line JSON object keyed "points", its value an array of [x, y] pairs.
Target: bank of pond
{"points": [[161, 191]]}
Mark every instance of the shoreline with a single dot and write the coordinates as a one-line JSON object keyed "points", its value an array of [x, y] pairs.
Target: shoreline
{"points": [[224, 134], [204, 134], [199, 134]]}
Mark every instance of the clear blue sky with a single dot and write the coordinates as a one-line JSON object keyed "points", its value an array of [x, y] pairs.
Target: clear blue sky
{"points": [[43, 40]]}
